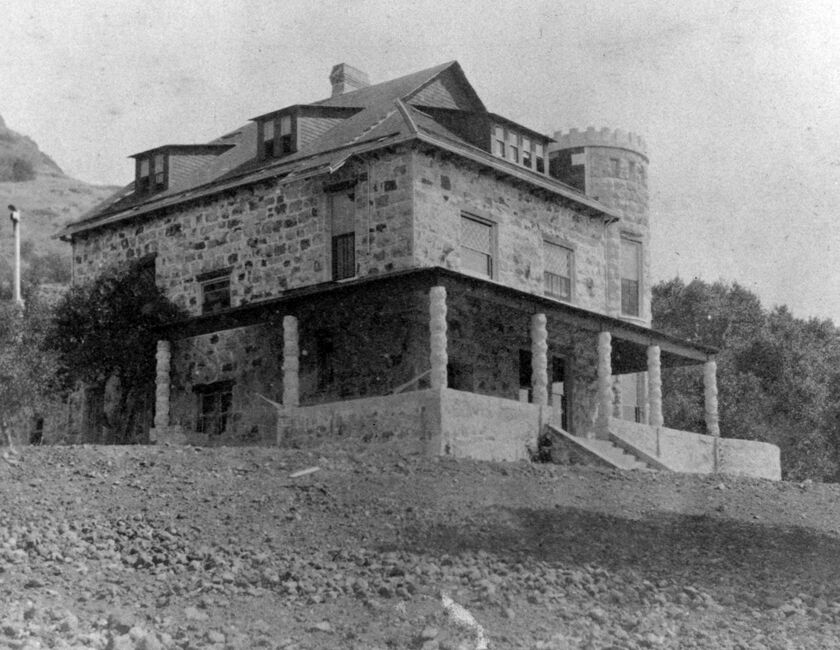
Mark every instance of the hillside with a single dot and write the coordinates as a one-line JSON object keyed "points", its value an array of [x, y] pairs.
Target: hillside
{"points": [[46, 197], [163, 547]]}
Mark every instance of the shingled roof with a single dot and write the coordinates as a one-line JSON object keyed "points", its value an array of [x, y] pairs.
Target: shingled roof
{"points": [[386, 114]]}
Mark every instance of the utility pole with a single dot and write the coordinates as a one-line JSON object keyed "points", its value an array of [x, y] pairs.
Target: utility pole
{"points": [[15, 218]]}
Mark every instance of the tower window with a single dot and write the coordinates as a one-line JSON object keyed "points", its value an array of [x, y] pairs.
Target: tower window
{"points": [[631, 268]]}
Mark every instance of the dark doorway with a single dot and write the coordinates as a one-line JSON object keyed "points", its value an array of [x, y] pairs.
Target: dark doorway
{"points": [[561, 390]]}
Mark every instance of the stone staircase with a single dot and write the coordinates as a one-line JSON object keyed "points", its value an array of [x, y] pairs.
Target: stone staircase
{"points": [[567, 448]]}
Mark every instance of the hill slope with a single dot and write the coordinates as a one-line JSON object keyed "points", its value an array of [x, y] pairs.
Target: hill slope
{"points": [[146, 547], [47, 198]]}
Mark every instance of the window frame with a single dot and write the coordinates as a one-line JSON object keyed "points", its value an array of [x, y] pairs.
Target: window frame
{"points": [[635, 241], [220, 393], [144, 175], [221, 277], [492, 255], [509, 144], [159, 168], [336, 237], [283, 139], [570, 249]]}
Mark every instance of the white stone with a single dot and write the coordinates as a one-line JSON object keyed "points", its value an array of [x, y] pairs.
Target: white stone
{"points": [[291, 362], [539, 359], [162, 384], [604, 382], [654, 386], [711, 397], [437, 336]]}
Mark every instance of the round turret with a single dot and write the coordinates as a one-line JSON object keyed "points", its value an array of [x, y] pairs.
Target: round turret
{"points": [[611, 166]]}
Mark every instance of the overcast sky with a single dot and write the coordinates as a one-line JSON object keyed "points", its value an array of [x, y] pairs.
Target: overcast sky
{"points": [[739, 101]]}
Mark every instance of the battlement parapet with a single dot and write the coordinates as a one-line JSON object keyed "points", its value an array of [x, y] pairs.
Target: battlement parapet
{"points": [[604, 137]]}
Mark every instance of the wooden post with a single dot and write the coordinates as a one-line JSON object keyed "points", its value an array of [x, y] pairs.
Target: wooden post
{"points": [[539, 360], [291, 362], [438, 356], [654, 386]]}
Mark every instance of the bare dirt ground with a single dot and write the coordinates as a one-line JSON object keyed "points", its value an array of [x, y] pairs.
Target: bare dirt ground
{"points": [[164, 547]]}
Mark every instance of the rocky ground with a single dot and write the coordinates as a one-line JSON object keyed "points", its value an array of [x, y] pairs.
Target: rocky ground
{"points": [[164, 547]]}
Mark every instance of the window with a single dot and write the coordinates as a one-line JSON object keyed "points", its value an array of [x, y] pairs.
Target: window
{"points": [[476, 246], [526, 152], [499, 141], [143, 183], [215, 402], [215, 291], [277, 137], [513, 142], [285, 144], [559, 262], [539, 158], [160, 173], [631, 266], [268, 139], [343, 225]]}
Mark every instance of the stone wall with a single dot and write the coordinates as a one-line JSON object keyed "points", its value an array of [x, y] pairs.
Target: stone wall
{"points": [[523, 217], [683, 451], [250, 358], [410, 419], [272, 236], [488, 428], [485, 336]]}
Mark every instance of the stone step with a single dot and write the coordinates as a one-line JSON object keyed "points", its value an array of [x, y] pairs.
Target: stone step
{"points": [[612, 453]]}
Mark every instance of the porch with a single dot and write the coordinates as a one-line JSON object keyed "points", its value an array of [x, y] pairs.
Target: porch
{"points": [[481, 375]]}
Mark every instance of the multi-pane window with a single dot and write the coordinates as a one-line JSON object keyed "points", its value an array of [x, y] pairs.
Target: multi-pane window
{"points": [[268, 139], [526, 152], [499, 141], [514, 146], [277, 137], [559, 263], [143, 181], [215, 293], [285, 142], [343, 225], [631, 267], [160, 173], [539, 158], [476, 246], [215, 403]]}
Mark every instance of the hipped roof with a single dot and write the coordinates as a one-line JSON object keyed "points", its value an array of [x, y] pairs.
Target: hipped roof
{"points": [[385, 118]]}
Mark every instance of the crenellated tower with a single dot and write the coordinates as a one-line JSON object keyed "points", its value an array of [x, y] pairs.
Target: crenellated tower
{"points": [[612, 167]]}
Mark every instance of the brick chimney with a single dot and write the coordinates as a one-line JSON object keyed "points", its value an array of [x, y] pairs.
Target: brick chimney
{"points": [[345, 78]]}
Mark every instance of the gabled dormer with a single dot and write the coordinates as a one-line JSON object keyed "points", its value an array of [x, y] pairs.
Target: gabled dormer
{"points": [[163, 168]]}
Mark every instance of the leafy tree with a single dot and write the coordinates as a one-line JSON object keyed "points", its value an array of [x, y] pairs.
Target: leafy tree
{"points": [[778, 376], [107, 330], [27, 371]]}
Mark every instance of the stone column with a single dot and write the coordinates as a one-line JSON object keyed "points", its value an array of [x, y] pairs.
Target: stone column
{"points": [[539, 360], [437, 337], [654, 386], [162, 384], [711, 397], [618, 398], [604, 383], [291, 362]]}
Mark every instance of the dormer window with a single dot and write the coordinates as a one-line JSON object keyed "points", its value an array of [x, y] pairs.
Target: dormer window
{"points": [[143, 181], [518, 145], [160, 172], [277, 136]]}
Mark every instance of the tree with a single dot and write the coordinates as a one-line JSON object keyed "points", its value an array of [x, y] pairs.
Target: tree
{"points": [[107, 330], [778, 376], [27, 371]]}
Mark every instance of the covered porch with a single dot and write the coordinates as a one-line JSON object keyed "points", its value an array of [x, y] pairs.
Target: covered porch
{"points": [[483, 371]]}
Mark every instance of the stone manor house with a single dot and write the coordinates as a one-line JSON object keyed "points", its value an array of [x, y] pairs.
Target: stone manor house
{"points": [[396, 262]]}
